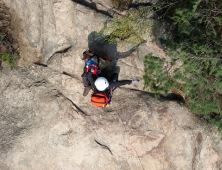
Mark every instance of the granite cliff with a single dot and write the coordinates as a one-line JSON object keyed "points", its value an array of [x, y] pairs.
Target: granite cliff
{"points": [[46, 123]]}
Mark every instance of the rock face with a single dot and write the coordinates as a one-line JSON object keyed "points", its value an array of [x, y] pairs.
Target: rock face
{"points": [[46, 123]]}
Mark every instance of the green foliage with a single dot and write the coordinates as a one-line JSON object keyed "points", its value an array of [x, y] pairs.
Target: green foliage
{"points": [[154, 78], [200, 92], [7, 52], [130, 27], [197, 42], [197, 27], [120, 3], [8, 58], [5, 55]]}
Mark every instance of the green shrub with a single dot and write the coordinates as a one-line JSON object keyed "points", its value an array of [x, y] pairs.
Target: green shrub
{"points": [[130, 27], [7, 57], [7, 52], [120, 3], [200, 93], [155, 79], [197, 42]]}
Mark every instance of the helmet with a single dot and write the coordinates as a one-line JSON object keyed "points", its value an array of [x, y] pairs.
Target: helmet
{"points": [[101, 83]]}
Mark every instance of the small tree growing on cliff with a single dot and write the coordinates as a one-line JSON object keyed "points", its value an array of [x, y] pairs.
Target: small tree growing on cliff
{"points": [[197, 42], [131, 27], [190, 79], [7, 52]]}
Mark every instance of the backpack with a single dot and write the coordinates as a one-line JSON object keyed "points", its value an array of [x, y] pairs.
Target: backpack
{"points": [[99, 100], [92, 53], [100, 61]]}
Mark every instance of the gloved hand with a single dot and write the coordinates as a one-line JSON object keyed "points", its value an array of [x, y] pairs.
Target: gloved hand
{"points": [[135, 81]]}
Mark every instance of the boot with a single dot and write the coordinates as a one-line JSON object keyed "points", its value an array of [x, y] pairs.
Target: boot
{"points": [[86, 90]]}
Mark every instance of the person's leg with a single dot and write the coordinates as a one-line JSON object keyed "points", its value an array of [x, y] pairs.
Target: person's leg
{"points": [[86, 90], [86, 84], [85, 79]]}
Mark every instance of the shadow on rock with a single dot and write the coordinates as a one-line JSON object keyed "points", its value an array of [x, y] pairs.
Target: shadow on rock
{"points": [[141, 4], [92, 6], [97, 43], [168, 97]]}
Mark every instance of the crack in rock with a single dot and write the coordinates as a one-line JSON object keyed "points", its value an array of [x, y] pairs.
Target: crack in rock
{"points": [[40, 64], [92, 6], [67, 133], [70, 75], [137, 156], [64, 49], [61, 50], [197, 150], [78, 109], [103, 146]]}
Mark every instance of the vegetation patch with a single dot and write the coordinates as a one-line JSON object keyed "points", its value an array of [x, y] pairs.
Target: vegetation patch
{"points": [[8, 51], [131, 27], [197, 43], [120, 3]]}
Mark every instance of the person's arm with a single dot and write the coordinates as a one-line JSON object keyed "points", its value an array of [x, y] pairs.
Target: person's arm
{"points": [[119, 83]]}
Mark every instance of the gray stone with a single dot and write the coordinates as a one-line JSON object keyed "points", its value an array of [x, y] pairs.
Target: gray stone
{"points": [[46, 123]]}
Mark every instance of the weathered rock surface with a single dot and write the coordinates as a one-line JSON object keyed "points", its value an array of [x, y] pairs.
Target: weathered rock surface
{"points": [[46, 123]]}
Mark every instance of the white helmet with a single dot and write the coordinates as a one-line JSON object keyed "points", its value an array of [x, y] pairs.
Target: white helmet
{"points": [[101, 83]]}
